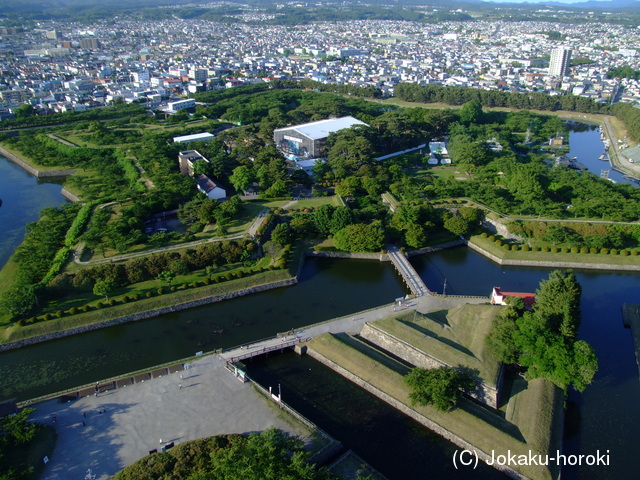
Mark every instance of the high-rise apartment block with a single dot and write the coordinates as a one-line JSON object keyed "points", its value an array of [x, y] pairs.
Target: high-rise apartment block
{"points": [[560, 62]]}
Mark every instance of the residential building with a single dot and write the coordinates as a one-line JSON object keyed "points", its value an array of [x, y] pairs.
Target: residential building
{"points": [[560, 62]]}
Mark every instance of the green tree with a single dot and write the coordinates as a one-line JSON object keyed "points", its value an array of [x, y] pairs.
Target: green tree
{"points": [[281, 234], [471, 112], [360, 237], [19, 300], [241, 178], [24, 111], [558, 303], [166, 276], [103, 288], [440, 387], [415, 236], [456, 225]]}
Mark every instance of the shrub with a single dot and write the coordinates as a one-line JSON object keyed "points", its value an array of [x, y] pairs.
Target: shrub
{"points": [[31, 320], [261, 269], [149, 294], [21, 322], [281, 264], [554, 249], [545, 249], [498, 243], [593, 250], [575, 250], [99, 305], [240, 274], [185, 286], [73, 311], [160, 291], [634, 252], [484, 235], [228, 276], [564, 249], [514, 248], [85, 308], [135, 297], [525, 248], [206, 280], [535, 248], [173, 288], [506, 247], [218, 279], [584, 250], [126, 299], [613, 251], [604, 251], [195, 284], [271, 267], [112, 301], [624, 253], [492, 238], [59, 313]]}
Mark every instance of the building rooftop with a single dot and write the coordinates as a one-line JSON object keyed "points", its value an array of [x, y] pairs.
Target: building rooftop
{"points": [[196, 137], [322, 128]]}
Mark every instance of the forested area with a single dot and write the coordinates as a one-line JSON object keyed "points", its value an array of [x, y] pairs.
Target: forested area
{"points": [[501, 160], [412, 92], [544, 340]]}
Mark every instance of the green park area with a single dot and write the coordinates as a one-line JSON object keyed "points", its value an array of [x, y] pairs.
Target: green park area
{"points": [[119, 251]]}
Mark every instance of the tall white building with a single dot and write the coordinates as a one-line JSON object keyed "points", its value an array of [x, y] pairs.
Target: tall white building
{"points": [[560, 62]]}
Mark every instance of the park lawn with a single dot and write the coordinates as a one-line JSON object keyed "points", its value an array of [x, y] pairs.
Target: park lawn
{"points": [[458, 341], [181, 295], [318, 201], [473, 423], [586, 258]]}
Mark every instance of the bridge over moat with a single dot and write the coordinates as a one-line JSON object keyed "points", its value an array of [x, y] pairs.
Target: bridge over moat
{"points": [[410, 276]]}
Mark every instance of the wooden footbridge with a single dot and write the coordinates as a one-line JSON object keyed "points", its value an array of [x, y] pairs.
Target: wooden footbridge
{"points": [[410, 276]]}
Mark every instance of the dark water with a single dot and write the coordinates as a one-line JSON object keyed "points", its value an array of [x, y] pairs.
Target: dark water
{"points": [[23, 196], [397, 446], [586, 145], [326, 290], [605, 417]]}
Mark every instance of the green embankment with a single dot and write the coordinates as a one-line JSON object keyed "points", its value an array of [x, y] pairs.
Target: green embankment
{"points": [[17, 332], [534, 420], [457, 341]]}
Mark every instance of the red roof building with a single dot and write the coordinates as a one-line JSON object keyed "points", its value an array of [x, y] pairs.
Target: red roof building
{"points": [[499, 297]]}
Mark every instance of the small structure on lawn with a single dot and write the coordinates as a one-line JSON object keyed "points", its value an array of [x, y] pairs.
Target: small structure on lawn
{"points": [[498, 297]]}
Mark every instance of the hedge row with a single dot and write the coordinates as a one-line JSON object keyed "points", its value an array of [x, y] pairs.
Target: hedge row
{"points": [[553, 249], [150, 293]]}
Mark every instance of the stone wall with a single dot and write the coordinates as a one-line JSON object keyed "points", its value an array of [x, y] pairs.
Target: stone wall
{"points": [[485, 393], [69, 196], [148, 314], [430, 424], [383, 257], [442, 246]]}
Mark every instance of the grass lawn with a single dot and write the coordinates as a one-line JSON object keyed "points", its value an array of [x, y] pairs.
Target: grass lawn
{"points": [[457, 341], [475, 424], [586, 258], [318, 201]]}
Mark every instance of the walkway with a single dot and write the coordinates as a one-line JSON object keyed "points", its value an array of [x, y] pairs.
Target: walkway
{"points": [[411, 277], [116, 428], [206, 401]]}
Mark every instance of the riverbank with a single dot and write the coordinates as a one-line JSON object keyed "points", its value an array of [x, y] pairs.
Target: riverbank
{"points": [[571, 260], [31, 169]]}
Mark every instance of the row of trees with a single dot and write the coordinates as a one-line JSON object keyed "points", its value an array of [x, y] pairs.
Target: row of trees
{"points": [[140, 269], [544, 341], [412, 92]]}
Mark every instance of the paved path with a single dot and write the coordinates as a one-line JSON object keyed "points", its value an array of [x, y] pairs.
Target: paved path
{"points": [[207, 401], [210, 402]]}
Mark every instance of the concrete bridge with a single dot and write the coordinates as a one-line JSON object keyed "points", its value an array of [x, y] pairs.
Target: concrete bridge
{"points": [[410, 276]]}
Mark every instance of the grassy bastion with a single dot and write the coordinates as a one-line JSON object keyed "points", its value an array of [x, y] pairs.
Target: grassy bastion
{"points": [[529, 422]]}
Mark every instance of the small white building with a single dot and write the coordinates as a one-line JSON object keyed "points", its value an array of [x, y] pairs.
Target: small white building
{"points": [[210, 188]]}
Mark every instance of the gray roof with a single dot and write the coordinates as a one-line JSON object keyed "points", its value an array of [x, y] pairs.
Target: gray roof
{"points": [[322, 128], [195, 137]]}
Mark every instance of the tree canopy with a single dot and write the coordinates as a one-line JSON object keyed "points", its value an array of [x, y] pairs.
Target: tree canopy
{"points": [[440, 387], [544, 340]]}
